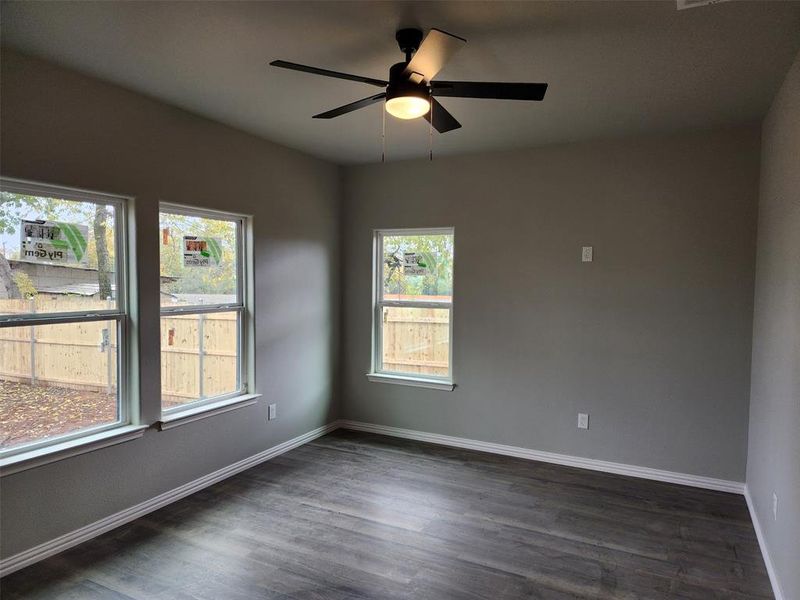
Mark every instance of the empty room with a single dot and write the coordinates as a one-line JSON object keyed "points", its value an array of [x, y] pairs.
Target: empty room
{"points": [[400, 300]]}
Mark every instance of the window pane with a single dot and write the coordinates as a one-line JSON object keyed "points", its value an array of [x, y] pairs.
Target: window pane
{"points": [[199, 357], [56, 255], [416, 340], [56, 380], [199, 260], [418, 267]]}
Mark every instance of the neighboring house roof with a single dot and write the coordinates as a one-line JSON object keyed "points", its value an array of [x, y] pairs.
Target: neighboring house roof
{"points": [[82, 289], [16, 263], [204, 298], [48, 278], [76, 289]]}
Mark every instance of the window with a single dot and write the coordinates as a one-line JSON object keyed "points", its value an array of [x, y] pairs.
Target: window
{"points": [[63, 315], [202, 307], [413, 322]]}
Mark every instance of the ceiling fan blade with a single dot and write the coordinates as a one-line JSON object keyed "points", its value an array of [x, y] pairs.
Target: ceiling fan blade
{"points": [[317, 71], [487, 89], [436, 49], [443, 121], [343, 110]]}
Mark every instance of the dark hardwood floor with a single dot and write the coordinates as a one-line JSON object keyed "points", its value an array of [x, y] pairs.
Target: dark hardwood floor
{"points": [[354, 516]]}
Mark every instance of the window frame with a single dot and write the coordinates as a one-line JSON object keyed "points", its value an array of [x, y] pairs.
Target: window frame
{"points": [[241, 306], [120, 314], [377, 372]]}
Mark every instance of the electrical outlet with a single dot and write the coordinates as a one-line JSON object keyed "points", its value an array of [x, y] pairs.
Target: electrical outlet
{"points": [[583, 421], [273, 412], [774, 506], [587, 254]]}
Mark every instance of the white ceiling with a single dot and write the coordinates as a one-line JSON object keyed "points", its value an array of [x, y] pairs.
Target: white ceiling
{"points": [[614, 68]]}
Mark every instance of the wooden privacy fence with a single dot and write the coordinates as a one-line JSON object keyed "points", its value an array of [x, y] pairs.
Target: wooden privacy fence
{"points": [[67, 355], [198, 356], [198, 352], [416, 340]]}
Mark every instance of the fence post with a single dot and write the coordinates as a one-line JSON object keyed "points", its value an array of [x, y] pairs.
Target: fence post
{"points": [[201, 360], [33, 343], [109, 346], [200, 351]]}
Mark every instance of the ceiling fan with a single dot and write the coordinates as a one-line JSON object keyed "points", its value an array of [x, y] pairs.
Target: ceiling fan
{"points": [[411, 92]]}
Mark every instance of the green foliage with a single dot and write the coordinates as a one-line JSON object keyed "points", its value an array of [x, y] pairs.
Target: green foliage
{"points": [[12, 206], [16, 207], [24, 284], [437, 253], [219, 279]]}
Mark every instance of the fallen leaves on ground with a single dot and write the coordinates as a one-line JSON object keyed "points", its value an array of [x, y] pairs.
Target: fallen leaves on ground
{"points": [[33, 412]]}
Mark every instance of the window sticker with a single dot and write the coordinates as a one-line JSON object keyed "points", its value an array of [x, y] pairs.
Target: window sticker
{"points": [[53, 242], [201, 252], [414, 263]]}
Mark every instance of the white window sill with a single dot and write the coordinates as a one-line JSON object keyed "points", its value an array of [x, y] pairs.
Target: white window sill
{"points": [[433, 384], [191, 414], [56, 452]]}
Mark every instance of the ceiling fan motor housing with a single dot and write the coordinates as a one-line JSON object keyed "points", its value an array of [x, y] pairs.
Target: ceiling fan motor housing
{"points": [[400, 85], [408, 40]]}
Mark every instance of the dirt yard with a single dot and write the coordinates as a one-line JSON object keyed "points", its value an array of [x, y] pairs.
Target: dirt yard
{"points": [[29, 412]]}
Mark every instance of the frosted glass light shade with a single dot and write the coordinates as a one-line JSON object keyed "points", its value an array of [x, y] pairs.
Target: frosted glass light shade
{"points": [[407, 107]]}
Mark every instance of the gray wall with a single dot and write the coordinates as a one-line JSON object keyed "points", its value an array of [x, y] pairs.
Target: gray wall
{"points": [[64, 128], [652, 338], [773, 462]]}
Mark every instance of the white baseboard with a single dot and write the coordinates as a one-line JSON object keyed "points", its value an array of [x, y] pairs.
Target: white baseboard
{"points": [[762, 544], [73, 538], [708, 483]]}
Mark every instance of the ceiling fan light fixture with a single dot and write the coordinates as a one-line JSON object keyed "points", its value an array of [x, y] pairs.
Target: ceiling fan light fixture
{"points": [[408, 107], [411, 92]]}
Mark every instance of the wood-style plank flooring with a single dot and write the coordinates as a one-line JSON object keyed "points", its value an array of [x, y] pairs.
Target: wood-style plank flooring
{"points": [[355, 516]]}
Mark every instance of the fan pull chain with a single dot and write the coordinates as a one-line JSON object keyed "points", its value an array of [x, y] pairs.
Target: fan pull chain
{"points": [[430, 133], [383, 135]]}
